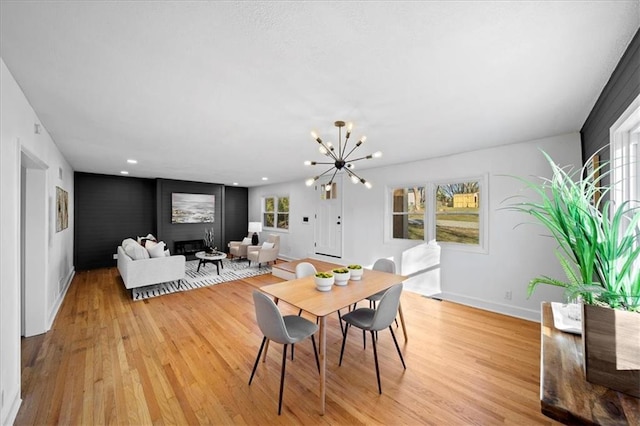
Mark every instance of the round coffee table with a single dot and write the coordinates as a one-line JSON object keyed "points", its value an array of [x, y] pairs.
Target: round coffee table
{"points": [[211, 257]]}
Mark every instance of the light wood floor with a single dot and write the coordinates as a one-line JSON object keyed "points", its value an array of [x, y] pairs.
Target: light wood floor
{"points": [[186, 358]]}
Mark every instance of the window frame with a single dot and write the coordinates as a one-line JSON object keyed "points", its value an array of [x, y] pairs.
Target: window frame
{"points": [[430, 213], [483, 214], [624, 146], [392, 214], [276, 212]]}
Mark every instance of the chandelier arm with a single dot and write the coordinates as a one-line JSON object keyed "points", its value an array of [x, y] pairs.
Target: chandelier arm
{"points": [[325, 172], [321, 162], [334, 175], [346, 139], [352, 149], [366, 157], [329, 151], [344, 148], [339, 142], [362, 181]]}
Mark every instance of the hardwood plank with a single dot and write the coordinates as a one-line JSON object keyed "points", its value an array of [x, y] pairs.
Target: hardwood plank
{"points": [[186, 358]]}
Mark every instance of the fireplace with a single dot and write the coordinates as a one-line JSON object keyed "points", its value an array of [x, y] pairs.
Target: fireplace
{"points": [[188, 247]]}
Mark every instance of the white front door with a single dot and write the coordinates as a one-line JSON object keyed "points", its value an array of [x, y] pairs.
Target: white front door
{"points": [[329, 218]]}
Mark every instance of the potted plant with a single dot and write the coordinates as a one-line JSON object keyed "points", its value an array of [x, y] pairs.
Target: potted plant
{"points": [[599, 251], [324, 281], [341, 276], [356, 272]]}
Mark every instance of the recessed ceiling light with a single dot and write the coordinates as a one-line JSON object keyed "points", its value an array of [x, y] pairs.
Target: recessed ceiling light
{"points": [[124, 172], [265, 178], [132, 161]]}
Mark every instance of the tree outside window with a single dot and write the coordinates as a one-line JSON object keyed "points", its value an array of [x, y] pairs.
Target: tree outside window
{"points": [[458, 212], [408, 213], [275, 208], [283, 213]]}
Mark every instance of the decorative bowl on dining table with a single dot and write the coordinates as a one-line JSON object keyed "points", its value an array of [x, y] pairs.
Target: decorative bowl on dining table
{"points": [[324, 281], [341, 276], [355, 272]]}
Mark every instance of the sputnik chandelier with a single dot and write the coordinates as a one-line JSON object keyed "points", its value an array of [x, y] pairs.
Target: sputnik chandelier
{"points": [[339, 159]]}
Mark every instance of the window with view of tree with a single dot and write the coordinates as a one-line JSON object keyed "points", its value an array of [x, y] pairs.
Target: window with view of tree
{"points": [[458, 212], [275, 212], [408, 212]]}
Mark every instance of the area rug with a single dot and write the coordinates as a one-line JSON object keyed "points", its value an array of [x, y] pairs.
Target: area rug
{"points": [[208, 276]]}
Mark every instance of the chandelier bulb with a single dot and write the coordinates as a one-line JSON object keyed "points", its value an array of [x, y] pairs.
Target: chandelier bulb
{"points": [[310, 181], [322, 150], [377, 154], [354, 179], [367, 184], [307, 163], [315, 136]]}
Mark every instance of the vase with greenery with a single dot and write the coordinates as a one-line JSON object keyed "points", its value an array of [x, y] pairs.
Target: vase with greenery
{"points": [[598, 243], [599, 251], [355, 272]]}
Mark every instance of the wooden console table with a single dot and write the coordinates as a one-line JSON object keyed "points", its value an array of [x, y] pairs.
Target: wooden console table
{"points": [[565, 395]]}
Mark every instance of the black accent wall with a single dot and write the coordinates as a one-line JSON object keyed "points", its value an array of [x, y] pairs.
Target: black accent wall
{"points": [[236, 213], [621, 89], [109, 209]]}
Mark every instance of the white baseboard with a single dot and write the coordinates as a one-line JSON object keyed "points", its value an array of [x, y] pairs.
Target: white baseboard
{"points": [[12, 413], [513, 311], [63, 293]]}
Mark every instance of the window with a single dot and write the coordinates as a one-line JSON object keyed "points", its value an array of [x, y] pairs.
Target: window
{"points": [[275, 212], [625, 160], [408, 209], [454, 213], [457, 214], [625, 156]]}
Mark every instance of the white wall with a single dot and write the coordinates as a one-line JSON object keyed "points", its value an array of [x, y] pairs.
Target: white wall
{"points": [[514, 256], [17, 136]]}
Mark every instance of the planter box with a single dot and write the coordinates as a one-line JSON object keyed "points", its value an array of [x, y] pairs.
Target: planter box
{"points": [[611, 345]]}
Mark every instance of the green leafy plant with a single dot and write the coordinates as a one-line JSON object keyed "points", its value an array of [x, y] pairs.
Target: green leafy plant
{"points": [[324, 274], [354, 267], [341, 271], [599, 243]]}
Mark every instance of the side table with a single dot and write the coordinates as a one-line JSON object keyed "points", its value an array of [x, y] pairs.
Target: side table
{"points": [[205, 257], [565, 394]]}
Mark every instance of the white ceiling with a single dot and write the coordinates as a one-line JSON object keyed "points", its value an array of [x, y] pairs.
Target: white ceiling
{"points": [[229, 91]]}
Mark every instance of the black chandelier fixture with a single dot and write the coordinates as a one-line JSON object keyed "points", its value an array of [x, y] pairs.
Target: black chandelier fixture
{"points": [[339, 159]]}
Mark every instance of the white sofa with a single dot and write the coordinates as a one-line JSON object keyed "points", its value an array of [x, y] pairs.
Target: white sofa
{"points": [[153, 270]]}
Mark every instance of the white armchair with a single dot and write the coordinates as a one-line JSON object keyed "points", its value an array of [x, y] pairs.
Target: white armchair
{"points": [[239, 248], [267, 252]]}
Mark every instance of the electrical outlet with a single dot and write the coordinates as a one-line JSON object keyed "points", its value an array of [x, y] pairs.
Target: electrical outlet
{"points": [[115, 256], [507, 295]]}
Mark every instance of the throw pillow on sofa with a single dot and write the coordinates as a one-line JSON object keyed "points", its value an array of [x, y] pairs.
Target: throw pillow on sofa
{"points": [[267, 245], [135, 251], [157, 250], [127, 241]]}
